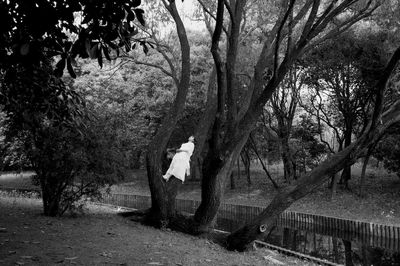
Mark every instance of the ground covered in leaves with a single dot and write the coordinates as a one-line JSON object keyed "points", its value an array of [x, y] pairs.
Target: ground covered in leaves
{"points": [[100, 237]]}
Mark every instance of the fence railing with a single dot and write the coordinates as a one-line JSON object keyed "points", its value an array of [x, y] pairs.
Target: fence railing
{"points": [[235, 215]]}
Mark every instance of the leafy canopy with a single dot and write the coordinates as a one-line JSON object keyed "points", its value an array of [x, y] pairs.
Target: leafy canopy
{"points": [[31, 31]]}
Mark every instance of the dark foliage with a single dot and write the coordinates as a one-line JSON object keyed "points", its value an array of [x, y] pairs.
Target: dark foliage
{"points": [[388, 150], [68, 155]]}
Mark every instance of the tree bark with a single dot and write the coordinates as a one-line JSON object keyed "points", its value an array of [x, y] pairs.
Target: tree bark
{"points": [[136, 159], [216, 170], [346, 173], [362, 177], [204, 127], [335, 179], [233, 185], [246, 163], [287, 159], [162, 201], [348, 253], [335, 249]]}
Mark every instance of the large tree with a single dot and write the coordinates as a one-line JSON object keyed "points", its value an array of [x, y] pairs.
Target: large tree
{"points": [[236, 117], [340, 77], [163, 195], [40, 107]]}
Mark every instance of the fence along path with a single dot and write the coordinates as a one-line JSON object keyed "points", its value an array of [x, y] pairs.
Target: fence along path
{"points": [[376, 235]]}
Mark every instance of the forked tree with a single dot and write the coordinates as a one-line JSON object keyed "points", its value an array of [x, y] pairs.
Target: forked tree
{"points": [[236, 118]]}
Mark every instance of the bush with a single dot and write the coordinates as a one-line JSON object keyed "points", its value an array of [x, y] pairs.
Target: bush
{"points": [[72, 158], [73, 164], [388, 150]]}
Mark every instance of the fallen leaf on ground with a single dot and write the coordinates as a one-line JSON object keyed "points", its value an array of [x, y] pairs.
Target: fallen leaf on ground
{"points": [[105, 254], [273, 260]]}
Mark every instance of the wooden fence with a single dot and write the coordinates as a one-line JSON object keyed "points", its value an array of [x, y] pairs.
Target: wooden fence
{"points": [[232, 216]]}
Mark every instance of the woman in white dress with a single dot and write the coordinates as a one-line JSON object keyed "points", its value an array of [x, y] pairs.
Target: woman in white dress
{"points": [[180, 165]]}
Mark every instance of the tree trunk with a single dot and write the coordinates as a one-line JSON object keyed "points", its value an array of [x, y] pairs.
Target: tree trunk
{"points": [[365, 256], [215, 173], [205, 125], [136, 159], [162, 209], [287, 159], [294, 240], [348, 253], [246, 162], [346, 173], [233, 186], [362, 177], [335, 249], [335, 179], [220, 164], [253, 145], [286, 237], [51, 193], [238, 168]]}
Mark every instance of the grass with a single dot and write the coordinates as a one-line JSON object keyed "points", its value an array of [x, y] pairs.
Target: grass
{"points": [[380, 204], [23, 180]]}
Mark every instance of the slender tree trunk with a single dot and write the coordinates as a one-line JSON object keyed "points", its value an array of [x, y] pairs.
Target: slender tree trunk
{"points": [[253, 145], [246, 162], [335, 249], [287, 159], [364, 256], [136, 159], [346, 173], [335, 179], [286, 237], [294, 240], [348, 253], [315, 242], [233, 186], [238, 168], [362, 177]]}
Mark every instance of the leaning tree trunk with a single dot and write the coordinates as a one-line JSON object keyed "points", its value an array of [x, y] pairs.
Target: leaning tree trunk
{"points": [[263, 223]]}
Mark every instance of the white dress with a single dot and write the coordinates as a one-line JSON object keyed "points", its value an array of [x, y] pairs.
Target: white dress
{"points": [[180, 164]]}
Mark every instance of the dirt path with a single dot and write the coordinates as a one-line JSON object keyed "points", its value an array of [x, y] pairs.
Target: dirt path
{"points": [[100, 237]]}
